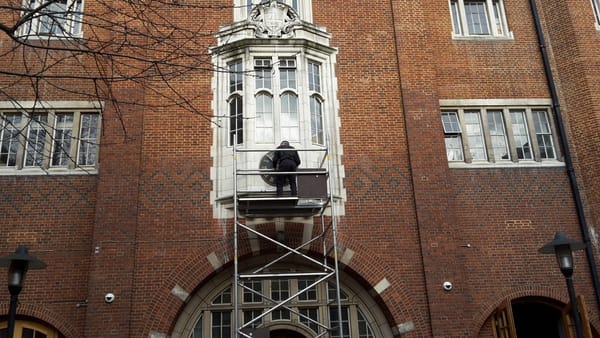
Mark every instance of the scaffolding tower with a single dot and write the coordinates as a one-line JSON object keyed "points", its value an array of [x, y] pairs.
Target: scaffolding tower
{"points": [[315, 196]]}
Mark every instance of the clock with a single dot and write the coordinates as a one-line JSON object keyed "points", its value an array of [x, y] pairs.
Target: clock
{"points": [[266, 162]]}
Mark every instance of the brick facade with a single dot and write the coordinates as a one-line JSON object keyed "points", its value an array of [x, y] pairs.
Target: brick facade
{"points": [[144, 224]]}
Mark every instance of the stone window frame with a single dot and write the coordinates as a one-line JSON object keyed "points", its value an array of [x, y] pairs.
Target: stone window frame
{"points": [[495, 15], [205, 303], [51, 108], [506, 106]]}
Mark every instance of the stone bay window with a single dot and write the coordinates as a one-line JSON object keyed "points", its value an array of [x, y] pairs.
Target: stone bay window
{"points": [[274, 80]]}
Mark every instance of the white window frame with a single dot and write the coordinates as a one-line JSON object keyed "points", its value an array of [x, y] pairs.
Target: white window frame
{"points": [[596, 9], [354, 306], [515, 154], [83, 153], [251, 87], [243, 7], [495, 16], [69, 18], [307, 43]]}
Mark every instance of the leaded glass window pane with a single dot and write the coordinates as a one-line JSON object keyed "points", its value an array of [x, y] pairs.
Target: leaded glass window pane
{"points": [[364, 329], [223, 298], [477, 19], [236, 120], [263, 73], [456, 22], [308, 295], [221, 324], [316, 121], [249, 315], [314, 77], [11, 124], [331, 293], [251, 297], [450, 122], [335, 323], [197, 332], [498, 135], [544, 134], [264, 118], [280, 289], [236, 80], [521, 135], [290, 123], [287, 73], [36, 140], [53, 19], [88, 145], [63, 129], [313, 314], [475, 135]]}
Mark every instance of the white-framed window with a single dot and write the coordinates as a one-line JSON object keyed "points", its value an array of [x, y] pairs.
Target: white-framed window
{"points": [[280, 291], [215, 319], [501, 135], [250, 315], [253, 293], [221, 324], [309, 317], [236, 102], [310, 294], [281, 100], [479, 18], [364, 329], [243, 8], [274, 80], [596, 8], [316, 103], [52, 140], [335, 323], [62, 18]]}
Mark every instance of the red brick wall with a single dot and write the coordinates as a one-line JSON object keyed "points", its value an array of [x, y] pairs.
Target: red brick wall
{"points": [[145, 223]]}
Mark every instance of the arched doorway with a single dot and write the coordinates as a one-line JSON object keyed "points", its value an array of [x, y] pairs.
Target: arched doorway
{"points": [[210, 311], [285, 334], [537, 320], [532, 317]]}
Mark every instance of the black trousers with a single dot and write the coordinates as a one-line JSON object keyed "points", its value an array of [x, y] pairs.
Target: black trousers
{"points": [[286, 165]]}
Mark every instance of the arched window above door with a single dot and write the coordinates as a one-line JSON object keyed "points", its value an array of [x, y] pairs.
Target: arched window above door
{"points": [[537, 316], [209, 312], [30, 329]]}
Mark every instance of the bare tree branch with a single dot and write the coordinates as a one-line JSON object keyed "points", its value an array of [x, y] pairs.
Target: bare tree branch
{"points": [[61, 49]]}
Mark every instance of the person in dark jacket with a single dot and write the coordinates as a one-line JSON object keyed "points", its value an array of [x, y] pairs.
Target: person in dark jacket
{"points": [[286, 161]]}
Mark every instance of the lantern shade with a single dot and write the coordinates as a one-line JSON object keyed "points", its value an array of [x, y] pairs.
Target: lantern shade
{"points": [[563, 247], [22, 254], [561, 239], [18, 263]]}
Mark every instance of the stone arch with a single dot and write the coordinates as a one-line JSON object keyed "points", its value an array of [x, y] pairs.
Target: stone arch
{"points": [[192, 272], [190, 311], [398, 303], [489, 305], [195, 270], [42, 314]]}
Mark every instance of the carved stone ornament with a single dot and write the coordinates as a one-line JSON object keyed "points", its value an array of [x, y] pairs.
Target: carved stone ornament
{"points": [[273, 20]]}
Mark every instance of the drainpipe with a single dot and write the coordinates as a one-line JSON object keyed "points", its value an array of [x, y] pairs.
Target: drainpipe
{"points": [[567, 154]]}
